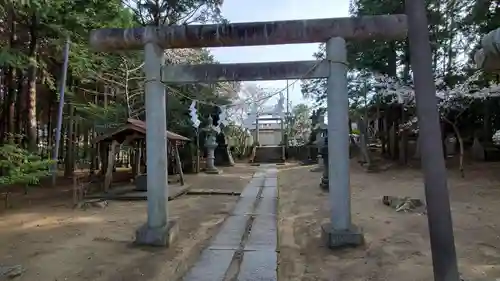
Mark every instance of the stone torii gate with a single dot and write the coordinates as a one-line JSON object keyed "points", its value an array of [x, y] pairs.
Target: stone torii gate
{"points": [[157, 230]]}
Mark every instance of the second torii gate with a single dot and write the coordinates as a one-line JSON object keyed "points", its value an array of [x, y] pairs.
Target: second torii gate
{"points": [[157, 230]]}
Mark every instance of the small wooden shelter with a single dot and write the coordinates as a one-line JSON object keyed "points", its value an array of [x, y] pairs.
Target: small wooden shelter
{"points": [[133, 133]]}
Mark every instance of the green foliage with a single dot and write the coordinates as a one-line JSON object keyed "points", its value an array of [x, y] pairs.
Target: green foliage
{"points": [[12, 58], [162, 12], [455, 30], [20, 166]]}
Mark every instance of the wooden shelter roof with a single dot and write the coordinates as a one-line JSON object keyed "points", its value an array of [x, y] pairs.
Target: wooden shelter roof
{"points": [[129, 128]]}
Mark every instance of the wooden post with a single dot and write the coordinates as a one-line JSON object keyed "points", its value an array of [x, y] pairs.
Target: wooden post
{"points": [[138, 158], [133, 156], [178, 163], [197, 151], [109, 170], [135, 159]]}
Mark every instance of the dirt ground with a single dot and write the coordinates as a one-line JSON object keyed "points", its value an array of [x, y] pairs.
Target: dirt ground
{"points": [[54, 242], [397, 244]]}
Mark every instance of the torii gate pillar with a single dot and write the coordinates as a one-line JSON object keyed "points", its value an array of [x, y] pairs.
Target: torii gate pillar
{"points": [[158, 230], [339, 231]]}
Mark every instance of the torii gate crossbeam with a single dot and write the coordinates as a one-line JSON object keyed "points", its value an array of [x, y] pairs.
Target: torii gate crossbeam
{"points": [[251, 34]]}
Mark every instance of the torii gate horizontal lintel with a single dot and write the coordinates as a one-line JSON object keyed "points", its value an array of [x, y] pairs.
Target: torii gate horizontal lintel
{"points": [[196, 73], [251, 34]]}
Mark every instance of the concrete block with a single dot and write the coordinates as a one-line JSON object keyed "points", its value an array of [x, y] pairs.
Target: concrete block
{"points": [[159, 237], [341, 238]]}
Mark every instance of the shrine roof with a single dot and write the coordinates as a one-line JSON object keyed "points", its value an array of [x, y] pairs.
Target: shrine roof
{"points": [[131, 127]]}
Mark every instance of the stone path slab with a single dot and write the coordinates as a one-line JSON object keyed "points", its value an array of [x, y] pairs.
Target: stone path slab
{"points": [[258, 266], [267, 206], [263, 234], [244, 206], [251, 191], [252, 253], [229, 236], [270, 191], [208, 270]]}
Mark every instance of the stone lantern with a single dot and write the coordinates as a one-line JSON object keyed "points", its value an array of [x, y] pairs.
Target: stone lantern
{"points": [[211, 144], [321, 132]]}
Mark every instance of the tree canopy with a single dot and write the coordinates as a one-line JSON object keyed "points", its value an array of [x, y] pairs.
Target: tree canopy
{"points": [[102, 89]]}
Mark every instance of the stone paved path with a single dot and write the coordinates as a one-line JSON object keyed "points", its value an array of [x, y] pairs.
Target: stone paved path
{"points": [[245, 247]]}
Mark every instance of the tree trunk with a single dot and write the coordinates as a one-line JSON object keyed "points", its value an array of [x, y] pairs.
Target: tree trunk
{"points": [[387, 136], [460, 144], [69, 163], [20, 101], [393, 140], [9, 104], [94, 164], [86, 133], [403, 154], [110, 164], [103, 157], [76, 142], [32, 72], [487, 132], [63, 143], [363, 143]]}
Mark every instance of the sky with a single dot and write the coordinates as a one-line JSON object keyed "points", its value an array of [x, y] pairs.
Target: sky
{"points": [[273, 10]]}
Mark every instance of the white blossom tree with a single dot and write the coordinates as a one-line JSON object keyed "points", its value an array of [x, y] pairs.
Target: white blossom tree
{"points": [[457, 98], [251, 98]]}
